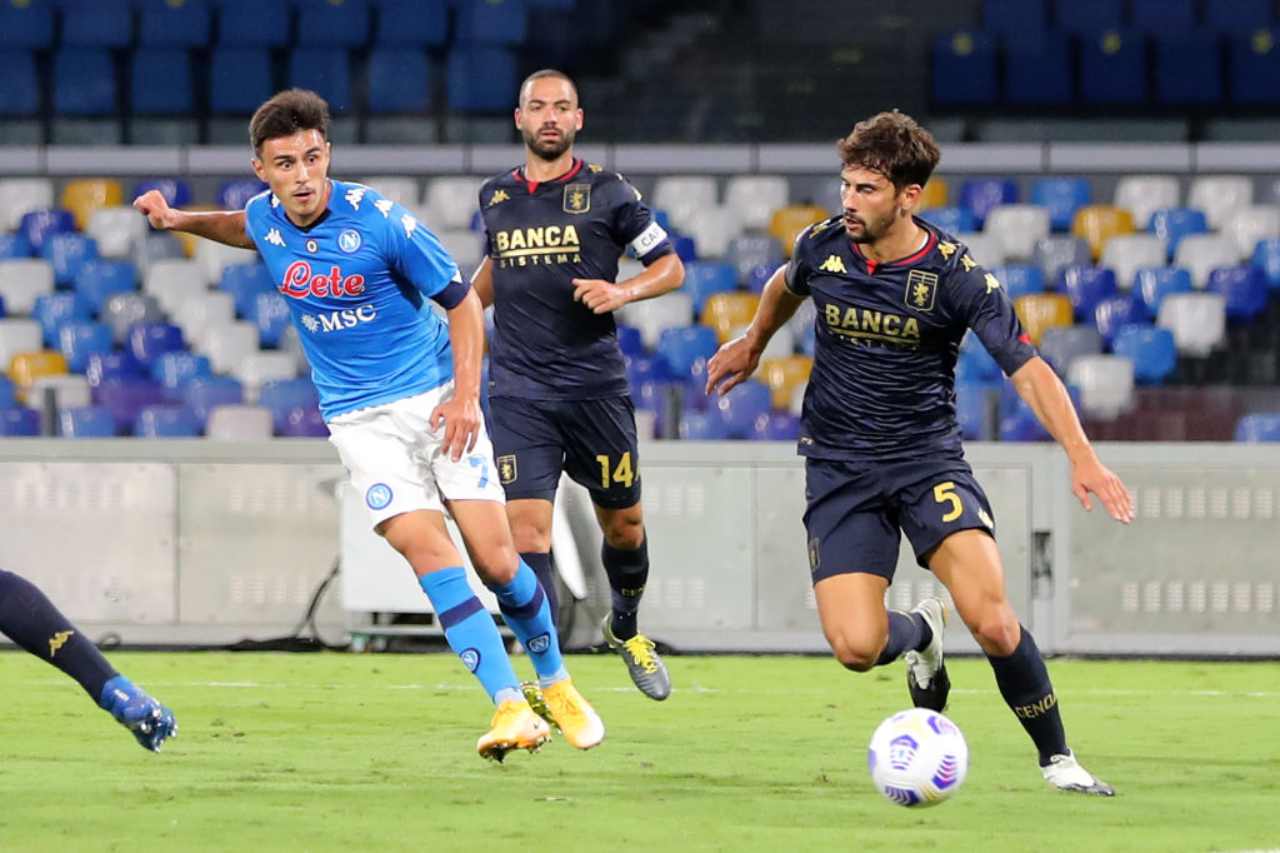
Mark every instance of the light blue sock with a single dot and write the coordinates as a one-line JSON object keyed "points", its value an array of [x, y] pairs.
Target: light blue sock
{"points": [[470, 632], [524, 605]]}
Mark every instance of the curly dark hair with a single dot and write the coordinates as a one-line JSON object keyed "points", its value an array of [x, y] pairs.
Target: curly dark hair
{"points": [[286, 113], [894, 145]]}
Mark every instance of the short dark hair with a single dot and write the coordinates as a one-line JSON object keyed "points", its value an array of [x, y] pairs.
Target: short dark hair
{"points": [[542, 74], [893, 145], [286, 113]]}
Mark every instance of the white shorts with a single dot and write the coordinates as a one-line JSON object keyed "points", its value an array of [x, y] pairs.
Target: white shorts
{"points": [[398, 464]]}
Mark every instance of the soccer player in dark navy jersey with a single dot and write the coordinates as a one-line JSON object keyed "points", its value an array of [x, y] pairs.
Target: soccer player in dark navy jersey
{"points": [[558, 396], [894, 296]]}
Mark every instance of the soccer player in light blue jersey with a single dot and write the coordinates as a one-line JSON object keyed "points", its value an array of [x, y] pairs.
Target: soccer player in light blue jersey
{"points": [[400, 392]]}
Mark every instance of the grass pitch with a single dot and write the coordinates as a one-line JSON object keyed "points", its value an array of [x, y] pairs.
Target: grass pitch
{"points": [[348, 752]]}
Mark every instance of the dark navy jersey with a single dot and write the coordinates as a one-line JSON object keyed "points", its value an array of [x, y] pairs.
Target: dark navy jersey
{"points": [[883, 382], [541, 236]]}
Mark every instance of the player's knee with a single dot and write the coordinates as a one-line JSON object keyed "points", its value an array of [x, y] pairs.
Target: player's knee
{"points": [[854, 655], [997, 634], [625, 532], [529, 535], [496, 564]]}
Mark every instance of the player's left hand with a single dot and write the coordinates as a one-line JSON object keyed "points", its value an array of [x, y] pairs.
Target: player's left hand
{"points": [[461, 419], [1090, 475], [599, 295]]}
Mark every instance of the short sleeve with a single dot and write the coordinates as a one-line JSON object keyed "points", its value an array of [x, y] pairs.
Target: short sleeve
{"points": [[634, 226], [416, 254], [977, 298], [796, 275]]}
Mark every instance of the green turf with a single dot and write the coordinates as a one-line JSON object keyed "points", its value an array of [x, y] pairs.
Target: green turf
{"points": [[371, 753]]}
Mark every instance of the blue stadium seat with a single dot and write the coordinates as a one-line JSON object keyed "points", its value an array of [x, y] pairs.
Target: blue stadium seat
{"points": [[1238, 16], [974, 411], [166, 420], [1153, 285], [166, 23], [1258, 427], [270, 313], [176, 191], [19, 422], [964, 69], [703, 279], [253, 23], [1020, 279], [304, 422], [25, 25], [481, 79], [1171, 224], [100, 23], [333, 23], [86, 422], [39, 225], [702, 426], [416, 23], [204, 393], [235, 194], [149, 341], [491, 21], [239, 79], [630, 341], [1087, 286], [80, 341], [1113, 68], [283, 396], [325, 71], [740, 408], [975, 364], [1164, 17], [20, 94], [1243, 288], [244, 282], [173, 370], [84, 82], [685, 247], [1151, 349], [758, 276], [683, 349], [1018, 423], [1266, 257], [1087, 16], [1253, 66], [642, 369], [777, 426], [1015, 17], [126, 398], [51, 310], [1114, 313], [400, 81], [953, 220], [750, 251], [8, 393], [1188, 69], [161, 82], [1063, 197], [107, 367], [67, 253], [99, 280], [980, 195], [1037, 69], [14, 245]]}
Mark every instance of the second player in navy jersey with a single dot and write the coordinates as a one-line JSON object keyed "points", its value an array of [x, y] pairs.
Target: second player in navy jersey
{"points": [[558, 399], [894, 297]]}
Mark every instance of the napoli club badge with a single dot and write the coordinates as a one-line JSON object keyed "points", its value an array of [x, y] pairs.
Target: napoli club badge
{"points": [[349, 241]]}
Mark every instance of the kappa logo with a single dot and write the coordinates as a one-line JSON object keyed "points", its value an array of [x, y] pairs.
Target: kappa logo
{"points": [[540, 643], [993, 283], [355, 195], [274, 238], [833, 263], [986, 519], [349, 240], [383, 206], [498, 197], [470, 659], [409, 223], [58, 640]]}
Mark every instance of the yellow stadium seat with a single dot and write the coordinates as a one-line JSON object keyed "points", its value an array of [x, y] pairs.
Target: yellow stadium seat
{"points": [[784, 375], [1098, 223], [934, 195], [789, 221], [82, 197], [726, 312], [27, 367], [1041, 311]]}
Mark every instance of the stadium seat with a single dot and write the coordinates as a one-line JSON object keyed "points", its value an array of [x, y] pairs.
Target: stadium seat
{"points": [[964, 69], [1062, 344], [126, 398], [202, 394], [712, 228], [322, 23], [1238, 16], [8, 393], [684, 348], [1105, 383], [80, 340], [20, 96], [166, 421], [953, 220], [776, 426], [935, 194], [117, 231], [174, 23], [1017, 227], [282, 396], [703, 279], [1152, 351], [325, 71], [173, 283], [1249, 225], [20, 196], [1096, 224], [245, 282], [17, 335], [239, 77], [1128, 253], [239, 423], [1086, 286], [161, 83], [784, 375], [85, 195], [481, 79], [176, 191], [1253, 66], [253, 23], [1062, 197], [1111, 315], [1164, 17], [19, 423], [204, 311], [983, 249], [22, 282], [86, 422], [1243, 289], [1188, 68], [213, 258], [107, 367], [1087, 16], [1260, 427], [39, 226], [1153, 285], [400, 82], [227, 345], [307, 422], [653, 316], [974, 411], [1019, 279], [1266, 257], [982, 195], [787, 223], [424, 23], [728, 311], [1220, 196], [1174, 224], [781, 345], [741, 407], [84, 82], [26, 367], [492, 22], [1038, 69], [173, 370], [1113, 67], [754, 198], [449, 201], [14, 247], [259, 368], [51, 310], [630, 341], [271, 315], [1143, 195], [160, 246], [1198, 321], [125, 310], [682, 197], [67, 253], [101, 24], [148, 341], [1041, 311], [402, 189], [975, 364], [235, 193], [702, 426], [26, 25], [1019, 423], [98, 281], [1202, 253]]}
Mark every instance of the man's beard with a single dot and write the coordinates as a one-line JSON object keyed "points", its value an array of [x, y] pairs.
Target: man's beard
{"points": [[547, 149], [873, 231]]}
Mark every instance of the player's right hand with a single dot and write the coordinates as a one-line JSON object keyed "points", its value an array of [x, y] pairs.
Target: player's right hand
{"points": [[153, 205], [733, 363]]}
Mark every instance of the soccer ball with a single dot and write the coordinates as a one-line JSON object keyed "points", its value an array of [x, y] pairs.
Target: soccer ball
{"points": [[917, 758]]}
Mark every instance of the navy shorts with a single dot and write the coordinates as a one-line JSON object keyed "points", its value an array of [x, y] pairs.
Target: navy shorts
{"points": [[593, 440], [857, 512]]}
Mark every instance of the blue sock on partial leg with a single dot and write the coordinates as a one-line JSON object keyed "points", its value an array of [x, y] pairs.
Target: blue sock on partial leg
{"points": [[470, 632], [524, 605]]}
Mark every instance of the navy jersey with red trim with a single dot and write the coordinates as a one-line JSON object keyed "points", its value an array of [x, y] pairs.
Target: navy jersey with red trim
{"points": [[541, 236], [888, 334]]}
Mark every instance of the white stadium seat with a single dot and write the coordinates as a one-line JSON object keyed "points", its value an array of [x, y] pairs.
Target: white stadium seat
{"points": [[451, 202], [653, 315], [19, 196], [290, 343], [1125, 254], [712, 228], [21, 281], [465, 247], [1143, 195], [755, 197], [125, 310], [239, 423], [1198, 321], [118, 231], [203, 311], [984, 249], [258, 368], [17, 334], [782, 344], [173, 282], [1054, 253], [1250, 224], [1105, 383], [401, 189], [1017, 227], [1219, 196], [228, 344], [1203, 253], [213, 258], [682, 197], [70, 391]]}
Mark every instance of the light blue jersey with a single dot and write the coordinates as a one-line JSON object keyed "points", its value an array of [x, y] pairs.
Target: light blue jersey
{"points": [[357, 283]]}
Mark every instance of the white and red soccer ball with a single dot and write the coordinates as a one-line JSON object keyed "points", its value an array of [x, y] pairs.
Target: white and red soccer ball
{"points": [[918, 758]]}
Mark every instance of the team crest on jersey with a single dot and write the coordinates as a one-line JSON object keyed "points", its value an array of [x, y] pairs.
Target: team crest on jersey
{"points": [[507, 471], [349, 240], [577, 198], [922, 287]]}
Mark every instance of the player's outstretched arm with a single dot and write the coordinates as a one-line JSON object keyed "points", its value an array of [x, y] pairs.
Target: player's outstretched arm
{"points": [[1040, 387], [737, 360], [662, 276], [461, 414], [221, 226]]}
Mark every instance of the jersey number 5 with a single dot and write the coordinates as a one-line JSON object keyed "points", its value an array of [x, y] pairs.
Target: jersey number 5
{"points": [[945, 493], [621, 474]]}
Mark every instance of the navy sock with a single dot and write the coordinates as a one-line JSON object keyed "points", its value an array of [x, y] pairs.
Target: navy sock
{"points": [[525, 607], [470, 632], [908, 632], [29, 619], [628, 572], [540, 562], [1024, 683]]}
